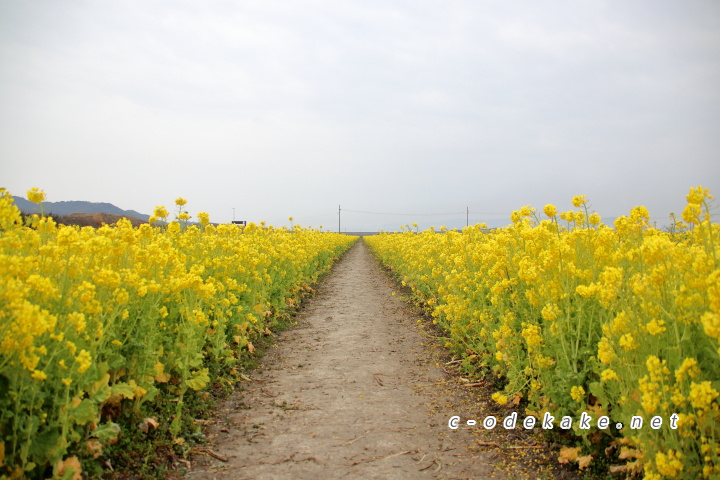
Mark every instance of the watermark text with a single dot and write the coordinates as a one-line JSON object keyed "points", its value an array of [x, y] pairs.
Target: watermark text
{"points": [[566, 423]]}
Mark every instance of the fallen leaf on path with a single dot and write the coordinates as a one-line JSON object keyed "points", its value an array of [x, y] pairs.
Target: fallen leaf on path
{"points": [[94, 447], [626, 452], [568, 454], [584, 461], [147, 423], [73, 463]]}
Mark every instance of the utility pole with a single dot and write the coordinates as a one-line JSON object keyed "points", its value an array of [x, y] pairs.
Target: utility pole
{"points": [[338, 218]]}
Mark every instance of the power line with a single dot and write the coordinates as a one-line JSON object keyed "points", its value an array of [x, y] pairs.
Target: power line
{"points": [[408, 214], [425, 214]]}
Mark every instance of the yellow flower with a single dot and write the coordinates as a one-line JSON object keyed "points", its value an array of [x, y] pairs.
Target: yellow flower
{"points": [[688, 368], [85, 292], [639, 214], [84, 361], [35, 195], [608, 374], [121, 296], [691, 213], [713, 290], [204, 218], [533, 336], [180, 201], [500, 398], [38, 375], [628, 342], [198, 317], [77, 320], [668, 464], [550, 312], [577, 393], [711, 324], [550, 210], [67, 381], [657, 368], [656, 327], [702, 394], [579, 200], [568, 216], [606, 354], [9, 213], [160, 212], [586, 291], [698, 194]]}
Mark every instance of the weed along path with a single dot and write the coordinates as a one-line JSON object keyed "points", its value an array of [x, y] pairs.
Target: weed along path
{"points": [[352, 391]]}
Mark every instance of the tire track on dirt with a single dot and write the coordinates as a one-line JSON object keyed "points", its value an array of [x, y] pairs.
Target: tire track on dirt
{"points": [[344, 394]]}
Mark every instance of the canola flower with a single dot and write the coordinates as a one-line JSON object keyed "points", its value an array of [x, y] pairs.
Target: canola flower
{"points": [[119, 316], [576, 316], [35, 195]]}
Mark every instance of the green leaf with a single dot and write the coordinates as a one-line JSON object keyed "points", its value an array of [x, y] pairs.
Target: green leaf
{"points": [[102, 394], [152, 392], [116, 361], [107, 432], [123, 389], [175, 426], [84, 413], [199, 380], [43, 443]]}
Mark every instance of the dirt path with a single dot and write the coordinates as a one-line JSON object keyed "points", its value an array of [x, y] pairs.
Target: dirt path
{"points": [[350, 392]]}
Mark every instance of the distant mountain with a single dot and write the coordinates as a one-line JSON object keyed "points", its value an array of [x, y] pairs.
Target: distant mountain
{"points": [[67, 208]]}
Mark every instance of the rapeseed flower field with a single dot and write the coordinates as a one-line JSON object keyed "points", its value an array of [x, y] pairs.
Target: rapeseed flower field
{"points": [[577, 317], [97, 322]]}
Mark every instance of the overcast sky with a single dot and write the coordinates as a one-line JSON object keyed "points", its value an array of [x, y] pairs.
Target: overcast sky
{"points": [[291, 108]]}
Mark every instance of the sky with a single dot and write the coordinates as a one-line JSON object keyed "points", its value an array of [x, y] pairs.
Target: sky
{"points": [[394, 111]]}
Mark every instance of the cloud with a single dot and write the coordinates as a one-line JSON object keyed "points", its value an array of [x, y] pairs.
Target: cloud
{"points": [[282, 108]]}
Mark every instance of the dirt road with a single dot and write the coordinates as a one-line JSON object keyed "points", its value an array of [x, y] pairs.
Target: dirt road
{"points": [[350, 392]]}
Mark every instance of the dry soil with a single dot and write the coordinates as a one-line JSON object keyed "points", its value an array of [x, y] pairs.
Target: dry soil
{"points": [[354, 390]]}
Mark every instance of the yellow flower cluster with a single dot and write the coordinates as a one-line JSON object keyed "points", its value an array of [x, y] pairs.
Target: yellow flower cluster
{"points": [[35, 195], [577, 393], [669, 464], [567, 311], [87, 315]]}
